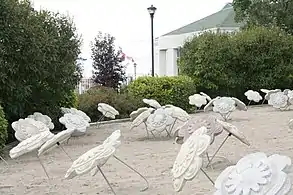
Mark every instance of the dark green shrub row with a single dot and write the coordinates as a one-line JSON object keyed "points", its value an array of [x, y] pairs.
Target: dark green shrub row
{"points": [[229, 65], [3, 129], [123, 102], [166, 90]]}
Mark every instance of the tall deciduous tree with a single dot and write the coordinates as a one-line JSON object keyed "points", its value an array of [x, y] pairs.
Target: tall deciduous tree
{"points": [[266, 13], [107, 62], [38, 60]]}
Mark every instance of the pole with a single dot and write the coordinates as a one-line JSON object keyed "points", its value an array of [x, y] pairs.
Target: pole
{"points": [[152, 37]]}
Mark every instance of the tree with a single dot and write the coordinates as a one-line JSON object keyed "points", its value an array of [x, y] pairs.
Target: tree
{"points": [[229, 65], [265, 13], [38, 60], [108, 70]]}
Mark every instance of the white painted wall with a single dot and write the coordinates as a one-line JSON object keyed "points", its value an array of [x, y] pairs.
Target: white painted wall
{"points": [[166, 54]]}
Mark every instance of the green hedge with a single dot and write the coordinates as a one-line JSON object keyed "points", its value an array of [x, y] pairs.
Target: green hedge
{"points": [[3, 129], [123, 102], [229, 65], [173, 90]]}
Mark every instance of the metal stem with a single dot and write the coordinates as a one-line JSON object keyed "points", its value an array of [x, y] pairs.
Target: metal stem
{"points": [[171, 129], [168, 134], [219, 148], [4, 160], [263, 101], [153, 134], [43, 167], [106, 180], [249, 103], [61, 147], [135, 172], [207, 176], [100, 119], [146, 128]]}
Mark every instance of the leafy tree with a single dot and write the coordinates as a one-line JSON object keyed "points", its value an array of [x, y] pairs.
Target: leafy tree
{"points": [[38, 60], [229, 65], [108, 70], [265, 13]]}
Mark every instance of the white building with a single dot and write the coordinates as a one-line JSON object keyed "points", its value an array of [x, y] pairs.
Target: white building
{"points": [[167, 46], [84, 85]]}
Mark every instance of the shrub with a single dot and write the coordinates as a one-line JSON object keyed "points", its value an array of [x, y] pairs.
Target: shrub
{"points": [[3, 129], [229, 65], [123, 102], [38, 54], [166, 90]]}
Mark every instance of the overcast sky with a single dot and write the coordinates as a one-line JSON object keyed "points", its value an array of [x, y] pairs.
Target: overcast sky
{"points": [[129, 22]]}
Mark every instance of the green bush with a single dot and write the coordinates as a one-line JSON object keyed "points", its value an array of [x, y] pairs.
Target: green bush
{"points": [[123, 102], [38, 60], [3, 129], [173, 90], [70, 100], [229, 65]]}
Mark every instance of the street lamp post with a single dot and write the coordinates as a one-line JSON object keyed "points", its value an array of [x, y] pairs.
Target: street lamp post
{"points": [[152, 11]]}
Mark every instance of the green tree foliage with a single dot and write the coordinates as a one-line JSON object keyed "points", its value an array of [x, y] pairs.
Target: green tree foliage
{"points": [[265, 13], [108, 70], [166, 90], [3, 129], [225, 64], [38, 60]]}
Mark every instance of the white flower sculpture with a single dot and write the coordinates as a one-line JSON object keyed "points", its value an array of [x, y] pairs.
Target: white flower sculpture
{"points": [[224, 105], [26, 128], [278, 100], [152, 103], [197, 100], [30, 144], [42, 118], [177, 113], [253, 96], [107, 110], [214, 128], [256, 174], [97, 156], [76, 122], [80, 113], [159, 121], [189, 162], [142, 117], [137, 112]]}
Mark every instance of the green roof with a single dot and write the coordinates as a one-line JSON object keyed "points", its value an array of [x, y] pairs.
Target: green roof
{"points": [[222, 18]]}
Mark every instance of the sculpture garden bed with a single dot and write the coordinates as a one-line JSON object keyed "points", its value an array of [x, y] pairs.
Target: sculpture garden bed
{"points": [[265, 128]]}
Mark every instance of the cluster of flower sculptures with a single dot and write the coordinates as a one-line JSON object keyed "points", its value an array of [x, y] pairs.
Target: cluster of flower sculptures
{"points": [[255, 173]]}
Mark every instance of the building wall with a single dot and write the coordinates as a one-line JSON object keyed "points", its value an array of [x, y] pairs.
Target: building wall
{"points": [[84, 85], [167, 50]]}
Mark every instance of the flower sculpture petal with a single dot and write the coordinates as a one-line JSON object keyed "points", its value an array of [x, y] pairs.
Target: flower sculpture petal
{"points": [[290, 96], [30, 144], [189, 162], [209, 106], [80, 113], [205, 95], [42, 118], [152, 103], [232, 129], [97, 156], [65, 110], [107, 110], [197, 100], [141, 118], [137, 112], [278, 100], [256, 174], [58, 138], [25, 128], [239, 104], [267, 96], [224, 105], [159, 120], [213, 128], [76, 122], [253, 96], [177, 113]]}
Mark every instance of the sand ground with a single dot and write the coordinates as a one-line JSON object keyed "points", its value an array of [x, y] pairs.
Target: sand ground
{"points": [[266, 129]]}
